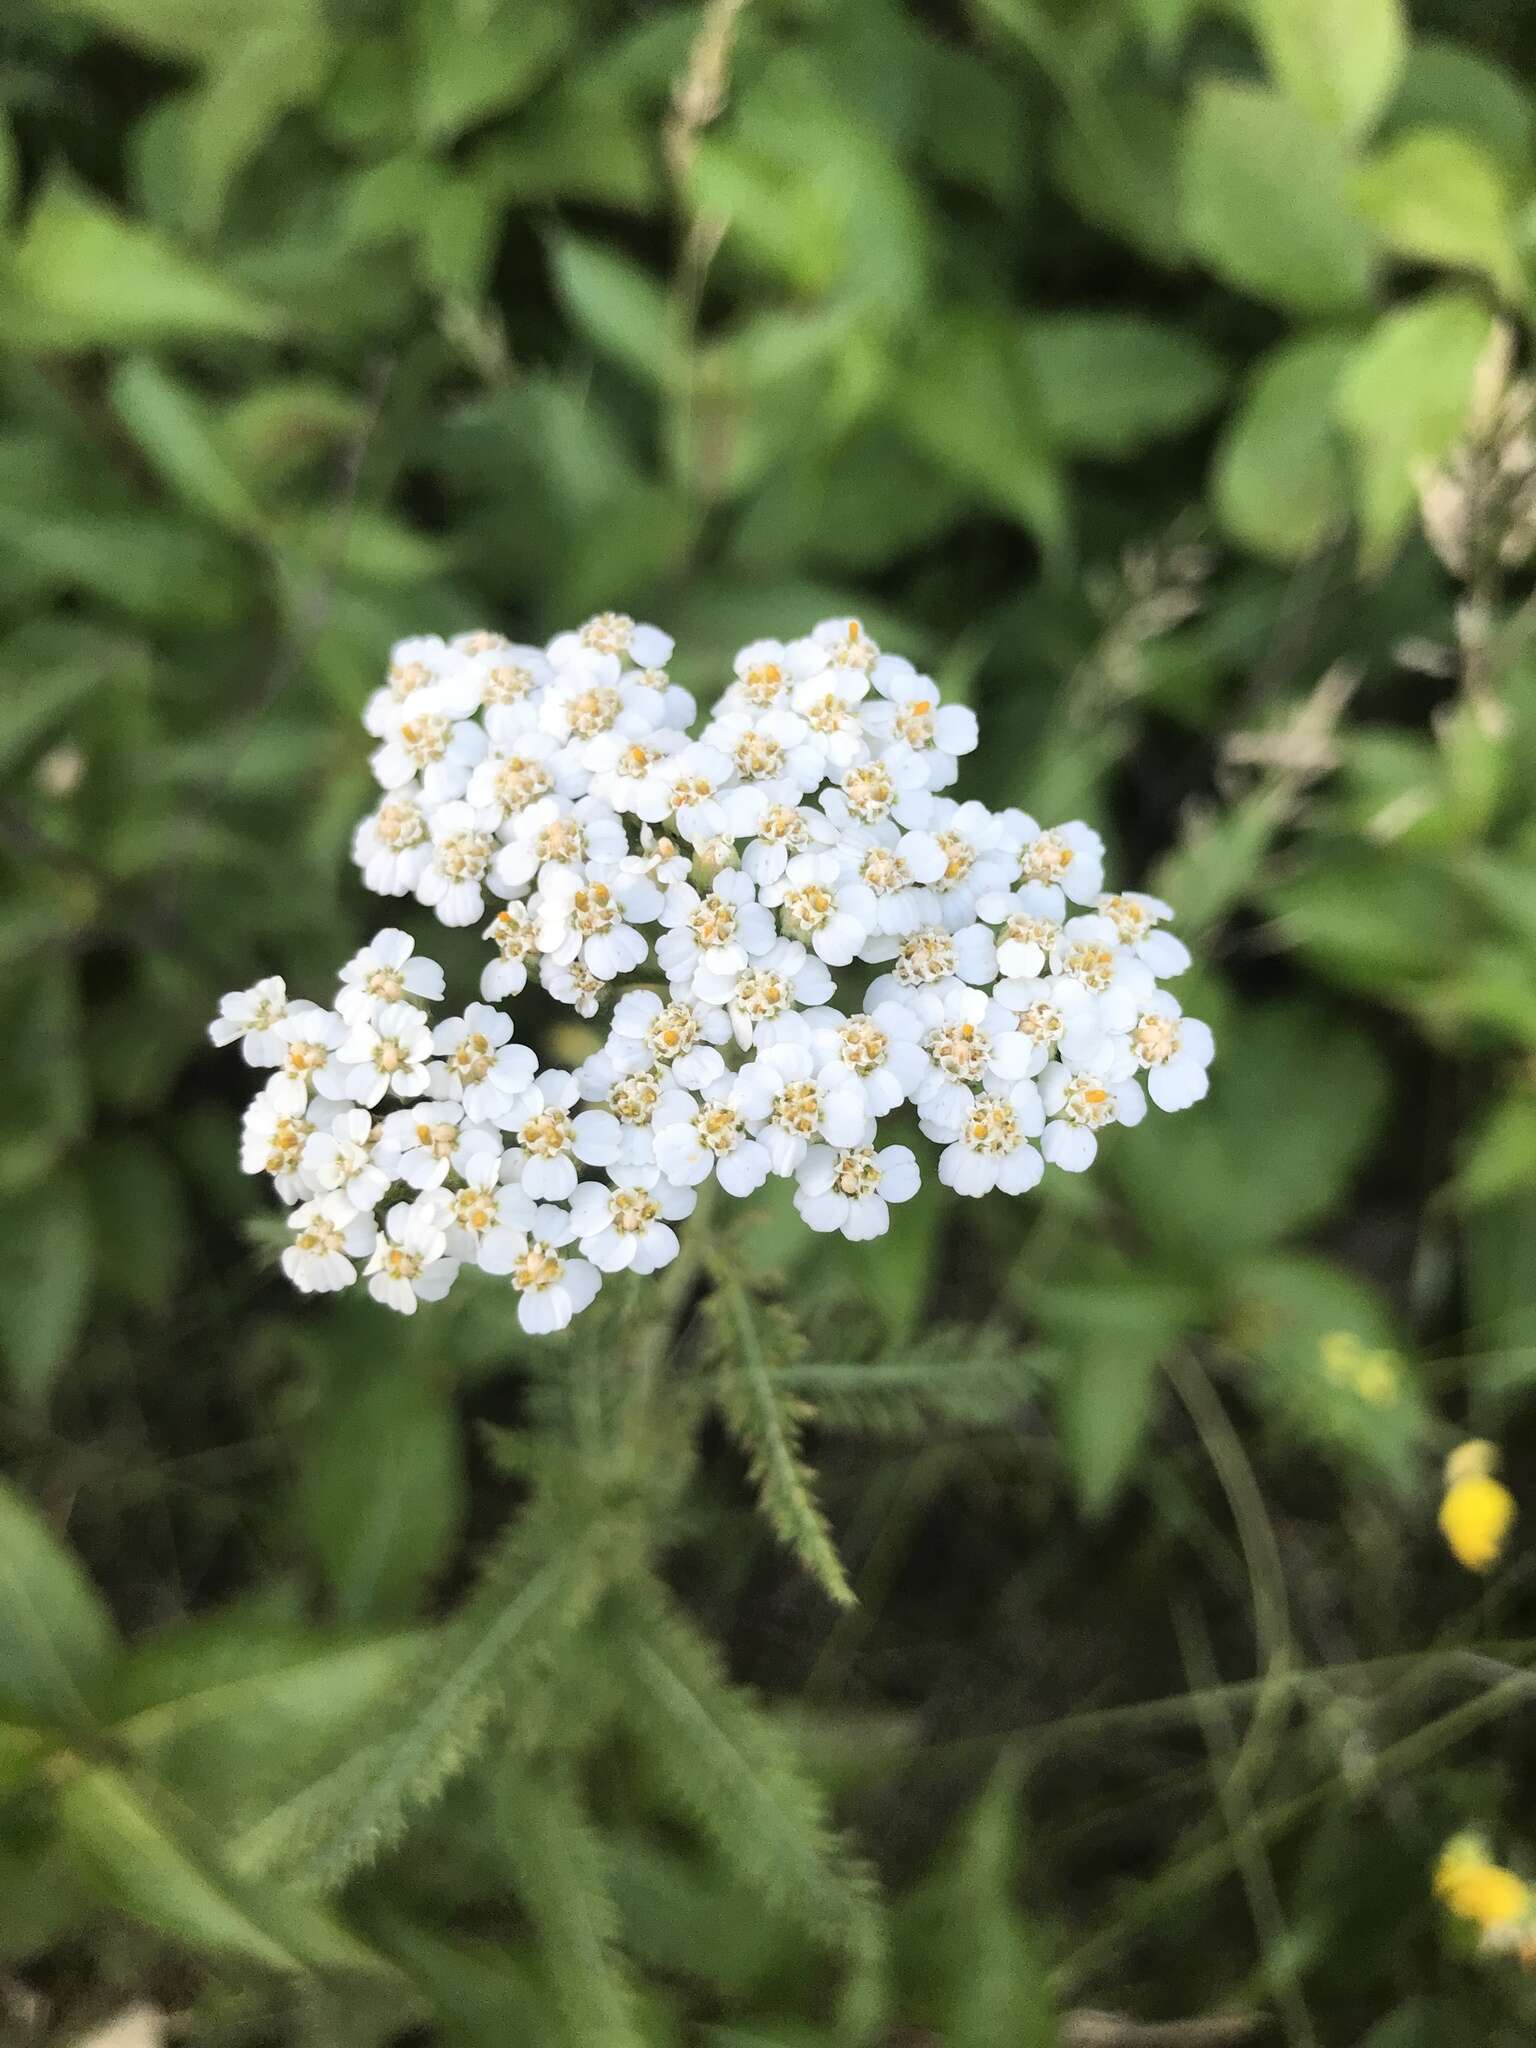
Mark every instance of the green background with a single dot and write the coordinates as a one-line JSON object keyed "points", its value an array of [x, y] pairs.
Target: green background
{"points": [[1090, 351]]}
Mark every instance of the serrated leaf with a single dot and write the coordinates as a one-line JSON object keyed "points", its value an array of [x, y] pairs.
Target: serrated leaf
{"points": [[752, 1346]]}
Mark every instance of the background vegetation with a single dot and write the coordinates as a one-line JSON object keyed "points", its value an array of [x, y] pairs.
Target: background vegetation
{"points": [[1091, 350]]}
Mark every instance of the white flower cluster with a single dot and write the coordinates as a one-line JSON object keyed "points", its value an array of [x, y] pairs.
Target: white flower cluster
{"points": [[709, 888]]}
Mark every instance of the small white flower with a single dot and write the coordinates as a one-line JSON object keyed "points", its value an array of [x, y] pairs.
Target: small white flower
{"points": [[626, 1225], [508, 676], [614, 633], [776, 826], [438, 749], [786, 977], [767, 672], [463, 843], [721, 932], [352, 1158], [591, 915], [869, 793], [1089, 951], [1173, 1051], [548, 1140], [696, 1137], [898, 869], [818, 901], [775, 746], [915, 730], [435, 1138], [829, 704], [385, 972], [572, 983], [680, 1035], [976, 861], [793, 1105], [331, 1233], [851, 1190], [410, 1261], [413, 664], [310, 1038], [1070, 856], [971, 1042], [484, 1210], [252, 1016], [1057, 1015], [843, 643], [630, 1098], [880, 1050], [633, 772], [558, 832], [480, 1067], [550, 1287], [991, 1148], [931, 955], [385, 1053], [1080, 1104], [1136, 918], [519, 772], [515, 937], [699, 775], [275, 1131], [393, 845], [1029, 921]]}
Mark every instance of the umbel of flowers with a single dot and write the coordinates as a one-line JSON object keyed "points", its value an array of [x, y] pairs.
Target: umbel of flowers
{"points": [[792, 932]]}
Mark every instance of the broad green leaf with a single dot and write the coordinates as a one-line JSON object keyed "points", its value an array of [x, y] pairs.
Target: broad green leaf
{"points": [[1500, 1156], [968, 399], [475, 62], [1438, 198], [381, 1489], [1447, 85], [88, 277], [47, 1234], [1116, 152], [1281, 481], [281, 64], [1275, 1097], [1403, 400], [1266, 202], [177, 437], [58, 1640], [200, 30], [1342, 63], [1328, 1364], [1110, 383], [620, 308], [1111, 1329], [155, 1859]]}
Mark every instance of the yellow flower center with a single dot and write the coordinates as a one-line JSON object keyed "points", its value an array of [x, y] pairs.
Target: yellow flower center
{"points": [[547, 1135]]}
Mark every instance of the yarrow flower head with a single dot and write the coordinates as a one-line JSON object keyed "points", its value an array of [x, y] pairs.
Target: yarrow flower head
{"points": [[789, 930]]}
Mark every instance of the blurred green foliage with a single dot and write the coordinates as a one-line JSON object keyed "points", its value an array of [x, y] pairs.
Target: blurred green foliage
{"points": [[1096, 351]]}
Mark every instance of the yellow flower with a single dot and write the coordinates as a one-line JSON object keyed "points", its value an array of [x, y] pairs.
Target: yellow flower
{"points": [[1478, 1511], [1477, 1889]]}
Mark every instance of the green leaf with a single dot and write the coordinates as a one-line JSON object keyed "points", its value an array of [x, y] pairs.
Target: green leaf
{"points": [[1309, 1118], [1438, 198], [1499, 1157], [962, 1379], [1447, 85], [200, 30], [1266, 202], [1280, 482], [154, 1858], [970, 1965], [58, 1637], [560, 1872], [1111, 1330], [139, 1221], [282, 63], [968, 399], [381, 1489], [732, 1771], [620, 308], [475, 62], [1342, 64], [1403, 400], [752, 1346], [47, 1234], [1111, 383], [1328, 1367], [173, 430], [89, 277]]}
